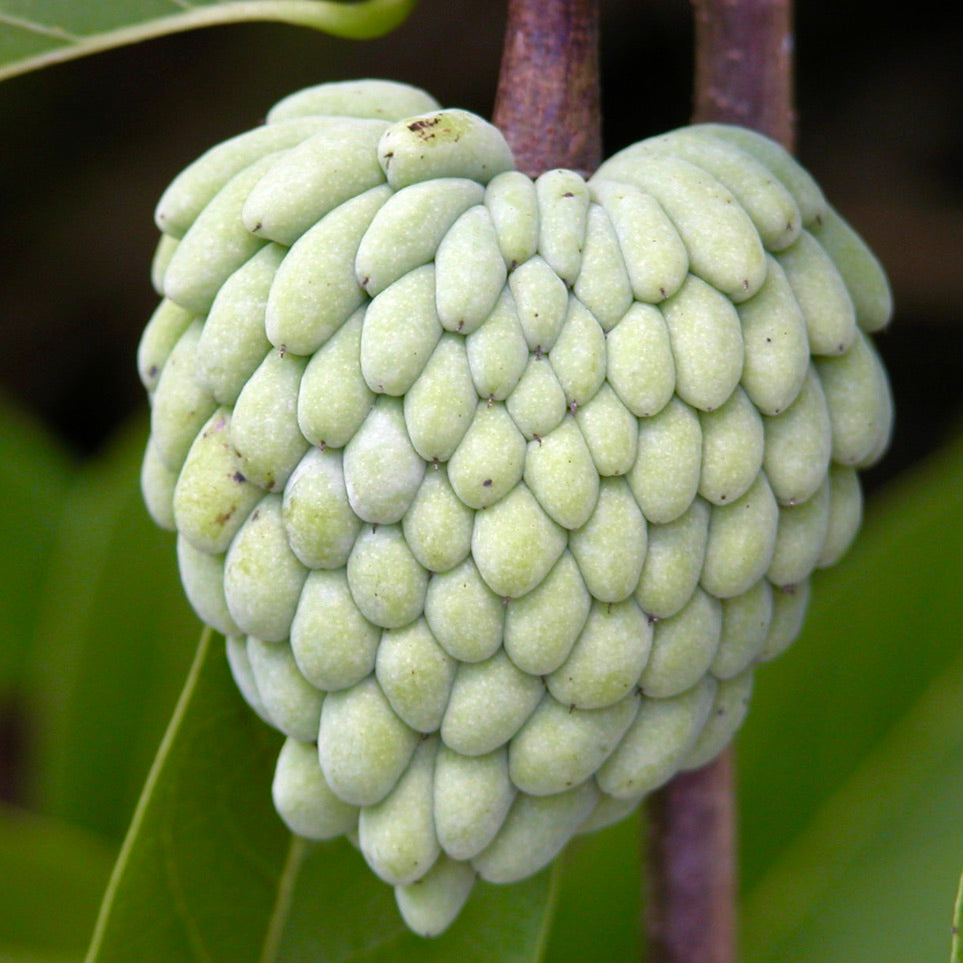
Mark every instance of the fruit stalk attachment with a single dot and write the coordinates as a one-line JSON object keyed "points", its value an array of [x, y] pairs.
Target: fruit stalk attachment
{"points": [[548, 102], [743, 75]]}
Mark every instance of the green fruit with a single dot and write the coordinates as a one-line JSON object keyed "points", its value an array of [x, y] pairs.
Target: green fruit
{"points": [[499, 488]]}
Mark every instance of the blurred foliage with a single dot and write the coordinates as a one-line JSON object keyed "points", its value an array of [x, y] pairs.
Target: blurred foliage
{"points": [[48, 31]]}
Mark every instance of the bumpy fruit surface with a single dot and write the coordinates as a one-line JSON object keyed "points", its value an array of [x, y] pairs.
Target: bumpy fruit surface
{"points": [[500, 489]]}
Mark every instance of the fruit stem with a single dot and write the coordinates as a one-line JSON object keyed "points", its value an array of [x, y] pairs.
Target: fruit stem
{"points": [[548, 99], [743, 75], [691, 880], [744, 65]]}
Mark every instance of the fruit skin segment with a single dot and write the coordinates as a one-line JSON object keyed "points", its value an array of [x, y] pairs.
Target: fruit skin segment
{"points": [[500, 489]]}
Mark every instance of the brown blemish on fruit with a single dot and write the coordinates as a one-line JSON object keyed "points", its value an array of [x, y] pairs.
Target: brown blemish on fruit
{"points": [[239, 477], [487, 483], [225, 517]]}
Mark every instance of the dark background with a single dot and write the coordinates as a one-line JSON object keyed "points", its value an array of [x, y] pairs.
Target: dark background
{"points": [[88, 146]]}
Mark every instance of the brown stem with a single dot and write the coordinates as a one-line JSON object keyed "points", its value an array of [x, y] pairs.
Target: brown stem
{"points": [[744, 65], [548, 104], [744, 75], [690, 903]]}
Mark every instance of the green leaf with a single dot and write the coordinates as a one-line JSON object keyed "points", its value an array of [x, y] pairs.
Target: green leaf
{"points": [[956, 951], [199, 869], [851, 760], [39, 33], [49, 888], [113, 645], [34, 475], [208, 872]]}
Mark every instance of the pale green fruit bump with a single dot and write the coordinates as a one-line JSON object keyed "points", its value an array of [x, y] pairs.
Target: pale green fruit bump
{"points": [[640, 365], [766, 200], [668, 464], [382, 471], [534, 832], [390, 248], [512, 202], [776, 343], [610, 547], [723, 245], [578, 356], [440, 405], [498, 351], [822, 295], [401, 329], [302, 317], [194, 188], [726, 715], [560, 747], [443, 143], [675, 553], [215, 245], [472, 797], [262, 576], [489, 702], [733, 445], [603, 282], [610, 430], [538, 404], [563, 202], [330, 167], [264, 425], [386, 581], [415, 673], [490, 459], [742, 538], [362, 744], [202, 576], [303, 798], [661, 735], [800, 538], [706, 337], [157, 485], [213, 498], [181, 404], [799, 444], [320, 523], [293, 704], [465, 615], [379, 99], [608, 658], [397, 834], [335, 398], [334, 645], [560, 473], [438, 524], [683, 647], [430, 904], [654, 255], [745, 625], [541, 299], [541, 626], [471, 271], [233, 342], [164, 329]]}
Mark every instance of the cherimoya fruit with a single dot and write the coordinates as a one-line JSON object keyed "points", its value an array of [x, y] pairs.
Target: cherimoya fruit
{"points": [[500, 489]]}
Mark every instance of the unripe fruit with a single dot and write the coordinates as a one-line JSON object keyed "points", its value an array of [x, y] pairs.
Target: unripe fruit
{"points": [[500, 489]]}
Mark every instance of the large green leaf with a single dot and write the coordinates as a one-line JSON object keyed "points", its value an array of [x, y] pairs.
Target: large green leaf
{"points": [[37, 33], [113, 645], [34, 475], [851, 761], [52, 877], [207, 871]]}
